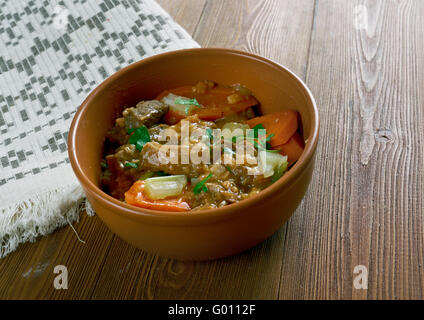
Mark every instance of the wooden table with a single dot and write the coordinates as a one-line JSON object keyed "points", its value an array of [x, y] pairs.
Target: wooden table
{"points": [[364, 205]]}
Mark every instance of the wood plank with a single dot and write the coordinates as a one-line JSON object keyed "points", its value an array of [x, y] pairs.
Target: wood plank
{"points": [[130, 273], [28, 272], [185, 12], [276, 29], [261, 27], [365, 205]]}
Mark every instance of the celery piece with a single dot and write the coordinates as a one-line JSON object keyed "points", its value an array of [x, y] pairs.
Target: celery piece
{"points": [[279, 172], [271, 162], [163, 187]]}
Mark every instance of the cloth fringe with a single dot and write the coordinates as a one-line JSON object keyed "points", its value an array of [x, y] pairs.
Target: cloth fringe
{"points": [[40, 215]]}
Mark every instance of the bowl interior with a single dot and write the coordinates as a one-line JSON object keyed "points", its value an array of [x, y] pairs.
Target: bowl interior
{"points": [[276, 89]]}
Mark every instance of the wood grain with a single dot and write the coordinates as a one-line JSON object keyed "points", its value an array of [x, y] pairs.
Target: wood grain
{"points": [[278, 30], [185, 12], [28, 272], [364, 205]]}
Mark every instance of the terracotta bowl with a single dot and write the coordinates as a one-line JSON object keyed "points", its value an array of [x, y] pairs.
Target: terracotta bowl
{"points": [[206, 234]]}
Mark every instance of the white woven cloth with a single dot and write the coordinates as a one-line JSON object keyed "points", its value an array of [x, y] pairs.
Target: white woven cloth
{"points": [[52, 54]]}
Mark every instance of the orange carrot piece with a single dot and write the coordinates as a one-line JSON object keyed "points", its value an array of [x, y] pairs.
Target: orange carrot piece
{"points": [[135, 196], [214, 101], [211, 114], [218, 98], [244, 105], [293, 149], [224, 110], [172, 117], [282, 124]]}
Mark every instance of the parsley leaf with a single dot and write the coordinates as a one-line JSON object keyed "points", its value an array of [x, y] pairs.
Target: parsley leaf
{"points": [[272, 151], [256, 130], [209, 133], [200, 186], [131, 164], [262, 144], [190, 102], [269, 137], [140, 137], [229, 169]]}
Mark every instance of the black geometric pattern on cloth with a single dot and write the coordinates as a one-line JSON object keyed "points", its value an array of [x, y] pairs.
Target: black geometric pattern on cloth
{"points": [[47, 69]]}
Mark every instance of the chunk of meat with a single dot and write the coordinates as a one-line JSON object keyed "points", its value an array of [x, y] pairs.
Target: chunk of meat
{"points": [[119, 177], [158, 133], [219, 193], [146, 113], [151, 160]]}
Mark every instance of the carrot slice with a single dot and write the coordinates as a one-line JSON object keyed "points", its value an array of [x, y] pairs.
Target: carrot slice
{"points": [[212, 114], [172, 117], [135, 196], [282, 124], [214, 101], [217, 109], [293, 149]]}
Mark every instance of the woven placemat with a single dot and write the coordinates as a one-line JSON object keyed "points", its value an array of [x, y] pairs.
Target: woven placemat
{"points": [[52, 54]]}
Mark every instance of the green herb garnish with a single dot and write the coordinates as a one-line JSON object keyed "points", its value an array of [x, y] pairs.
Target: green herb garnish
{"points": [[139, 137], [200, 186], [209, 133], [161, 174], [234, 139], [229, 169], [272, 151], [262, 144], [269, 137], [189, 102], [131, 164], [256, 130]]}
